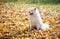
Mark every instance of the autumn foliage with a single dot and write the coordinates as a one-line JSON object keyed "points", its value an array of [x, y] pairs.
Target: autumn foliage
{"points": [[14, 22]]}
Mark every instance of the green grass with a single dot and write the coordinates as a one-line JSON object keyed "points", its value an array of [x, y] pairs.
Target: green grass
{"points": [[33, 1], [55, 5], [47, 6]]}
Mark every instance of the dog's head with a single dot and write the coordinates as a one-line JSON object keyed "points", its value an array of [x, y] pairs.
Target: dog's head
{"points": [[32, 10]]}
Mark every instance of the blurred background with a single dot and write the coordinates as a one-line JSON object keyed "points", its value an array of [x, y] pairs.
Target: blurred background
{"points": [[14, 19], [33, 1]]}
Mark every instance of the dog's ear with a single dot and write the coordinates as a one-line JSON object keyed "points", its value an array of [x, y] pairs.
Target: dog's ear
{"points": [[34, 8]]}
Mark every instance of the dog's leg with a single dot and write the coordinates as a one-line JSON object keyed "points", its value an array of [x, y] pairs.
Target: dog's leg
{"points": [[38, 27], [31, 27]]}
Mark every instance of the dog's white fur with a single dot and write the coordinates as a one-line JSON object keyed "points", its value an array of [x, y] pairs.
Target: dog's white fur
{"points": [[36, 20]]}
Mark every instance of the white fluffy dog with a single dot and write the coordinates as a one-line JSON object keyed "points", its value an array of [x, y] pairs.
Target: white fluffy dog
{"points": [[36, 20]]}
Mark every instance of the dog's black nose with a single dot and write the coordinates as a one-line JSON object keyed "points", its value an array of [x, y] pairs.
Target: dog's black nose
{"points": [[29, 11]]}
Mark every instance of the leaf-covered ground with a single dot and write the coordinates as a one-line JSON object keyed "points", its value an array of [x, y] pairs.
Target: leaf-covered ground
{"points": [[14, 22]]}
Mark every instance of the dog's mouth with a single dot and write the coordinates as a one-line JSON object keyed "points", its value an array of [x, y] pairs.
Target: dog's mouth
{"points": [[31, 13]]}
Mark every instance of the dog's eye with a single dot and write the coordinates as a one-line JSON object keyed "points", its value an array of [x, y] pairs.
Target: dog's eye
{"points": [[31, 10], [34, 8]]}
